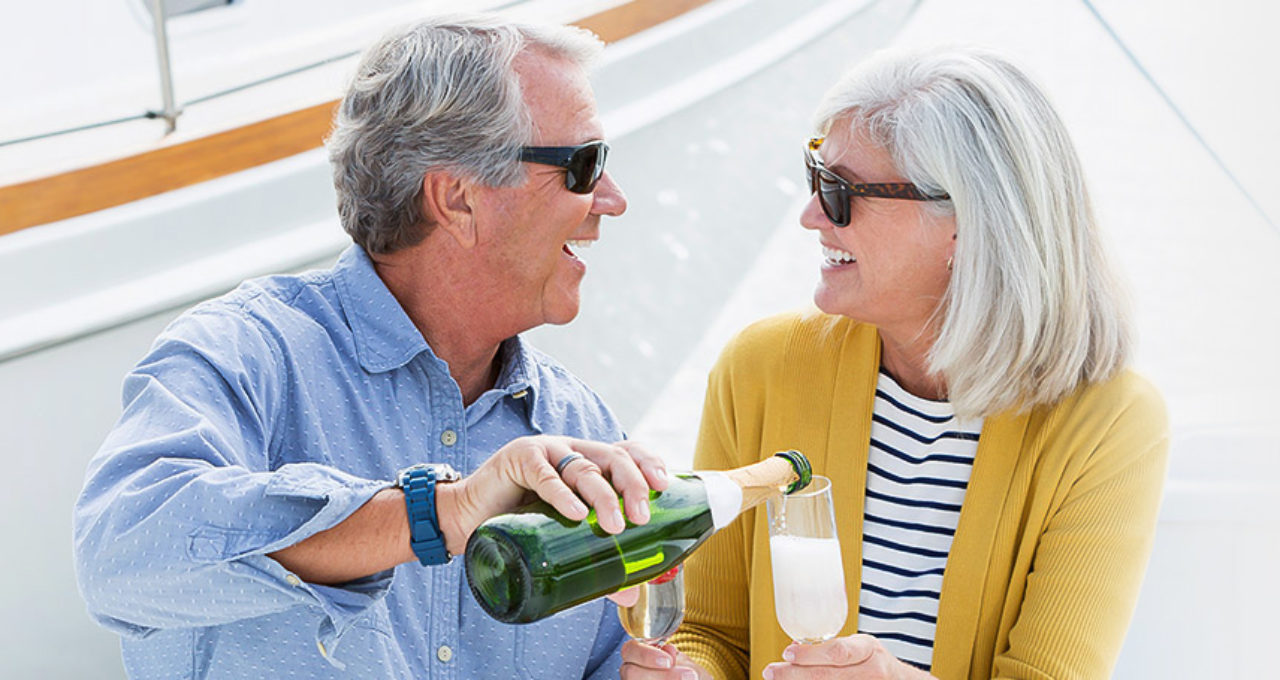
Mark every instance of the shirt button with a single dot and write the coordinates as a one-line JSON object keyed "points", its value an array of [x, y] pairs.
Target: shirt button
{"points": [[444, 653], [293, 580], [448, 437]]}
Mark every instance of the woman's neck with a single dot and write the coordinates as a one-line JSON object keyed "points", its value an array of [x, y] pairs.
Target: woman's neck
{"points": [[908, 363]]}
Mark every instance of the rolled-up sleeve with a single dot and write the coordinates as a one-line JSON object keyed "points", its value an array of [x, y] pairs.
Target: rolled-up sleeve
{"points": [[185, 498]]}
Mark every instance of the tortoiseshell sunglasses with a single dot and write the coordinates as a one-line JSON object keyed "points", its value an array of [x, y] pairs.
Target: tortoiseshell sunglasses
{"points": [[835, 194]]}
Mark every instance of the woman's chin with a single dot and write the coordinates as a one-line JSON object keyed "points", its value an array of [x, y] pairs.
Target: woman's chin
{"points": [[828, 299]]}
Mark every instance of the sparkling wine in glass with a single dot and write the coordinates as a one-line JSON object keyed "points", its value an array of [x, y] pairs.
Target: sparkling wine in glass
{"points": [[808, 574], [659, 611]]}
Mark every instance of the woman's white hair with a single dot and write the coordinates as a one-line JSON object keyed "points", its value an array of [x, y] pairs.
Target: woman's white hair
{"points": [[440, 93], [1033, 308]]}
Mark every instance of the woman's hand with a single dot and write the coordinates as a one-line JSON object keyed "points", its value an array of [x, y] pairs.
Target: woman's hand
{"points": [[596, 473], [856, 657], [647, 662]]}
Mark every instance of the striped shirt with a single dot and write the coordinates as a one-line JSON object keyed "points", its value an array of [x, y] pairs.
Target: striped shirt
{"points": [[917, 471]]}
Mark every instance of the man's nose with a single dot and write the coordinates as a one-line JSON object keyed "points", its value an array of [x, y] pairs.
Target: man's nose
{"points": [[609, 199]]}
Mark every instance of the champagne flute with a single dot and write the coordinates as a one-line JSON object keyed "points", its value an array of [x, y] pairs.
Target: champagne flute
{"points": [[659, 611], [808, 574]]}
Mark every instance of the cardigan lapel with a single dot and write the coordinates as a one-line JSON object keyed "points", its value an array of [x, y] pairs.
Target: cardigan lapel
{"points": [[849, 441], [999, 449]]}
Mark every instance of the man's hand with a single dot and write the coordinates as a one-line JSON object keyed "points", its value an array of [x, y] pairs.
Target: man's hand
{"points": [[856, 657], [376, 536], [647, 662], [527, 466]]}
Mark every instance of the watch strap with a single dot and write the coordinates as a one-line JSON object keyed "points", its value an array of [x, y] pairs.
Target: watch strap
{"points": [[425, 537]]}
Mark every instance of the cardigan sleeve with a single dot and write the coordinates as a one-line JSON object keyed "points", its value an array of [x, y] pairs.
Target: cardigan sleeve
{"points": [[717, 628], [1088, 567]]}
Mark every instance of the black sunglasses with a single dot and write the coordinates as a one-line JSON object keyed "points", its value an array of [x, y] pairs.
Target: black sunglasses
{"points": [[583, 164], [835, 194]]}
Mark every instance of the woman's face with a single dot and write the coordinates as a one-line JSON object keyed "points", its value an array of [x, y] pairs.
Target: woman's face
{"points": [[889, 265]]}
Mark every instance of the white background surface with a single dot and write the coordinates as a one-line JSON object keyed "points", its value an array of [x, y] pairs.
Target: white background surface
{"points": [[1203, 264]]}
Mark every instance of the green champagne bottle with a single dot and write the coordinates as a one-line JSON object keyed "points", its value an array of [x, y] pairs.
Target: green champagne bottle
{"points": [[532, 563]]}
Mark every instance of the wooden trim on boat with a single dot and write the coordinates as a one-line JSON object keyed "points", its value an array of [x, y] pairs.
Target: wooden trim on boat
{"points": [[628, 19], [173, 166], [131, 178]]}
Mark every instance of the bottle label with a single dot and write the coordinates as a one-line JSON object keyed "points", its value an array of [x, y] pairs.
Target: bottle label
{"points": [[724, 497]]}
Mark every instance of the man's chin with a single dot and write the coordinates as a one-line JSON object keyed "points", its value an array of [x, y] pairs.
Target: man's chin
{"points": [[562, 319], [562, 313]]}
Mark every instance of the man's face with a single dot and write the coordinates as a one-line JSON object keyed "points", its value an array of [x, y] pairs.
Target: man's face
{"points": [[526, 232]]}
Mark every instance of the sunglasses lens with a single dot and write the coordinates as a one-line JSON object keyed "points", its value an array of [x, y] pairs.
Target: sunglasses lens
{"points": [[834, 200], [585, 168], [831, 195]]}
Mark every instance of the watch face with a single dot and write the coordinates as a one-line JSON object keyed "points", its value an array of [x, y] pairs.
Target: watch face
{"points": [[403, 475], [442, 472]]}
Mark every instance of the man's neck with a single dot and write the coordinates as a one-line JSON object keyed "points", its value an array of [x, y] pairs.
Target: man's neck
{"points": [[447, 317], [474, 365]]}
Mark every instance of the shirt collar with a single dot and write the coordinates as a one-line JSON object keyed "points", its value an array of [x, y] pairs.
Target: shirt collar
{"points": [[517, 374], [519, 380], [385, 337]]}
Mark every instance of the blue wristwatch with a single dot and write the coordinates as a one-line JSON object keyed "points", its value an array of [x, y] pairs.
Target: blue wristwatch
{"points": [[419, 484]]}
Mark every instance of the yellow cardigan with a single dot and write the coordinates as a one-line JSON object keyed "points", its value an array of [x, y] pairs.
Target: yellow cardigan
{"points": [[1053, 536]]}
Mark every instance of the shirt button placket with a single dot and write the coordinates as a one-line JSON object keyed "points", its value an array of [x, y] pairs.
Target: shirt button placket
{"points": [[448, 578]]}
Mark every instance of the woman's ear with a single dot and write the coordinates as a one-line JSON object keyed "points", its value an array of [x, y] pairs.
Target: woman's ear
{"points": [[446, 206]]}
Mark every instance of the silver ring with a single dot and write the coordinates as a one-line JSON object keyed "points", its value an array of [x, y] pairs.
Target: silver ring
{"points": [[564, 462]]}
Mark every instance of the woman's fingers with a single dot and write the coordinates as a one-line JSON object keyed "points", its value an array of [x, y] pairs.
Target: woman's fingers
{"points": [[646, 662], [647, 656], [854, 657], [850, 650], [627, 597]]}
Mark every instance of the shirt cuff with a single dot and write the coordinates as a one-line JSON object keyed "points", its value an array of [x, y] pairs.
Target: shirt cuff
{"points": [[342, 606]]}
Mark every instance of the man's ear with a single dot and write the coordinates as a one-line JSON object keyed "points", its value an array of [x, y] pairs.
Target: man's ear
{"points": [[446, 205]]}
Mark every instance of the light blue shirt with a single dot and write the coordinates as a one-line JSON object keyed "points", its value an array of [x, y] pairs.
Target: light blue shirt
{"points": [[272, 413]]}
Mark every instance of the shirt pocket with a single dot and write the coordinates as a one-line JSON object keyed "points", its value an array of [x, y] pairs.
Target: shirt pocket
{"points": [[558, 647]]}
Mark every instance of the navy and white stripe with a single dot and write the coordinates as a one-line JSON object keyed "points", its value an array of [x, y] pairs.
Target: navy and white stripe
{"points": [[917, 472]]}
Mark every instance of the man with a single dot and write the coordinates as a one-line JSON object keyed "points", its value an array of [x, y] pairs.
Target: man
{"points": [[238, 521]]}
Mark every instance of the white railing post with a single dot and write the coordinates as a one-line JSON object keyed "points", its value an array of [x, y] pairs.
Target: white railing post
{"points": [[170, 111]]}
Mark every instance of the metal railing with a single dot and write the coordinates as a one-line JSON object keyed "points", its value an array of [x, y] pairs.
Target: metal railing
{"points": [[170, 111]]}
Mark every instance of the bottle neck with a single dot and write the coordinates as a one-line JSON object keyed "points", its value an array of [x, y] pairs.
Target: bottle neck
{"points": [[763, 480], [732, 492]]}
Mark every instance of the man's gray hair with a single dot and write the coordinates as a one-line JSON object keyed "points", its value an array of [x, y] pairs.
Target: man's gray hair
{"points": [[1033, 309], [437, 94]]}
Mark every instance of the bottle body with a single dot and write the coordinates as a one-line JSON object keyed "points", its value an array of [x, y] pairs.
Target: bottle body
{"points": [[529, 564], [532, 563]]}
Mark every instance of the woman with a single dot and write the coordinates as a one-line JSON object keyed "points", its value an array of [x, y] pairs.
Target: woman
{"points": [[996, 471]]}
